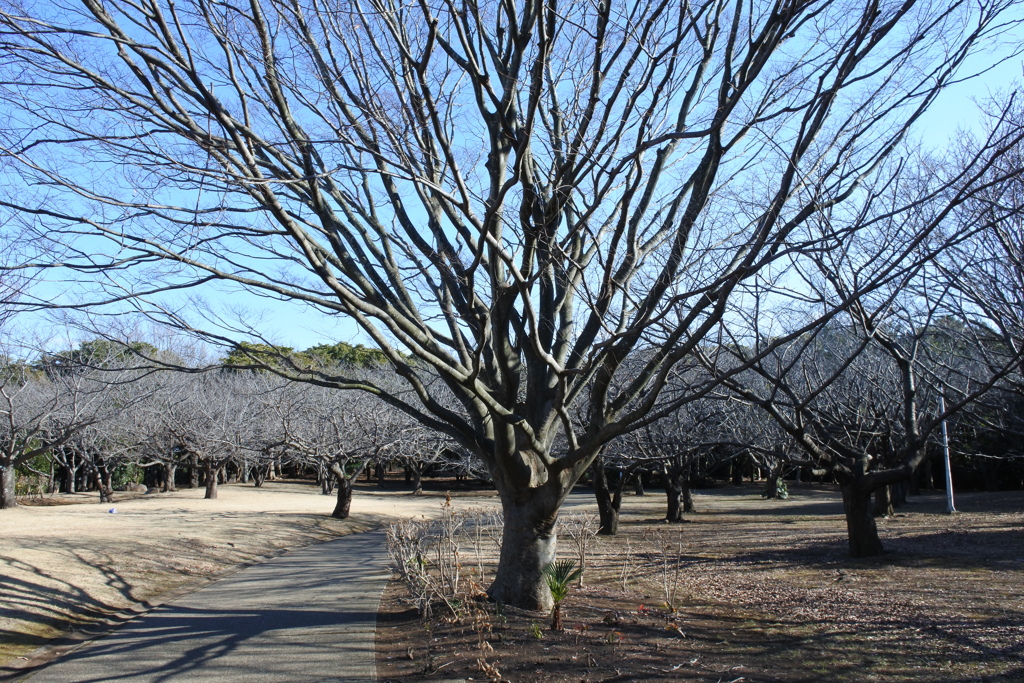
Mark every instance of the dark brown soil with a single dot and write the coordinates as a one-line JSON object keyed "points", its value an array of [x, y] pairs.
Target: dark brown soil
{"points": [[753, 590]]}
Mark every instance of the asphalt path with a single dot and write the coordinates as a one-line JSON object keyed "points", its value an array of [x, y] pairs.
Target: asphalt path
{"points": [[309, 615]]}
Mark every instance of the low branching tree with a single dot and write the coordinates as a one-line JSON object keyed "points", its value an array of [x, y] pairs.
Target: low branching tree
{"points": [[537, 202]]}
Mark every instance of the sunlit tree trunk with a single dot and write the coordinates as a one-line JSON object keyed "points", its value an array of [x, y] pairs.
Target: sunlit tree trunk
{"points": [[211, 472], [343, 506], [528, 545], [8, 477]]}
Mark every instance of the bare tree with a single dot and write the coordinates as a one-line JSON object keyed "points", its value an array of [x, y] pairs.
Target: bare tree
{"points": [[986, 275], [522, 196], [861, 398], [43, 413], [343, 434], [210, 421]]}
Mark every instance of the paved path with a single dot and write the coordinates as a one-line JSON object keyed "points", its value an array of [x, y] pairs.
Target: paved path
{"points": [[309, 615]]}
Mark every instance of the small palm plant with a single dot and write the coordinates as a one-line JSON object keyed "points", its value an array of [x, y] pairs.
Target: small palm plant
{"points": [[559, 576]]}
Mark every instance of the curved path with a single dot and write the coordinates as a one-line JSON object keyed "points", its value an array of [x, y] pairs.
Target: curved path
{"points": [[309, 615]]}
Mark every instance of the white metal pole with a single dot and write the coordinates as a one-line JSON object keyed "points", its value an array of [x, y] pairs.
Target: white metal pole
{"points": [[950, 509]]}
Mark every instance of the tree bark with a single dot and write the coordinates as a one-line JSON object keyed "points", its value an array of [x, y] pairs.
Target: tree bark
{"points": [[343, 506], [193, 472], [70, 476], [915, 482], [259, 475], [415, 479], [677, 493], [737, 471], [674, 497], [325, 477], [860, 523], [607, 510], [528, 545], [170, 470], [771, 490], [883, 502], [898, 492], [638, 484], [211, 480], [927, 475], [102, 477], [8, 477]]}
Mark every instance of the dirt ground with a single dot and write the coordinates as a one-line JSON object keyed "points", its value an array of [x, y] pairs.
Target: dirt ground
{"points": [[753, 590], [746, 590], [66, 561]]}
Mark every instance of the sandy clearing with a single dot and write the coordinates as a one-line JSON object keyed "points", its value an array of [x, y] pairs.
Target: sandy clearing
{"points": [[62, 566]]}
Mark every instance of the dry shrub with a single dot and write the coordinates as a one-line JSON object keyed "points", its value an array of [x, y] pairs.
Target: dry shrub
{"points": [[427, 556]]}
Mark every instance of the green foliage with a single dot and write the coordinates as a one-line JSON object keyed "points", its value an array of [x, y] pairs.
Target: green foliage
{"points": [[247, 354], [559, 575], [99, 353], [31, 478], [781, 491], [536, 631], [40, 463], [126, 473], [345, 354], [16, 372]]}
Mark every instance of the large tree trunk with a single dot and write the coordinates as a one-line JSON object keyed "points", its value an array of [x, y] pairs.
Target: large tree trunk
{"points": [[211, 473], [170, 470], [883, 502], [70, 476], [677, 492], [638, 484], [415, 479], [899, 493], [771, 490], [528, 545], [675, 488], [344, 505], [608, 503], [8, 477], [103, 478], [259, 475], [736, 471], [860, 523], [928, 475], [193, 472]]}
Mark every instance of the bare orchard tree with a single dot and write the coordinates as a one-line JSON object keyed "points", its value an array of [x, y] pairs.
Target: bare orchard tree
{"points": [[41, 414], [688, 443], [521, 196], [861, 399], [211, 419], [159, 444], [110, 441], [422, 449], [986, 273], [343, 434]]}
